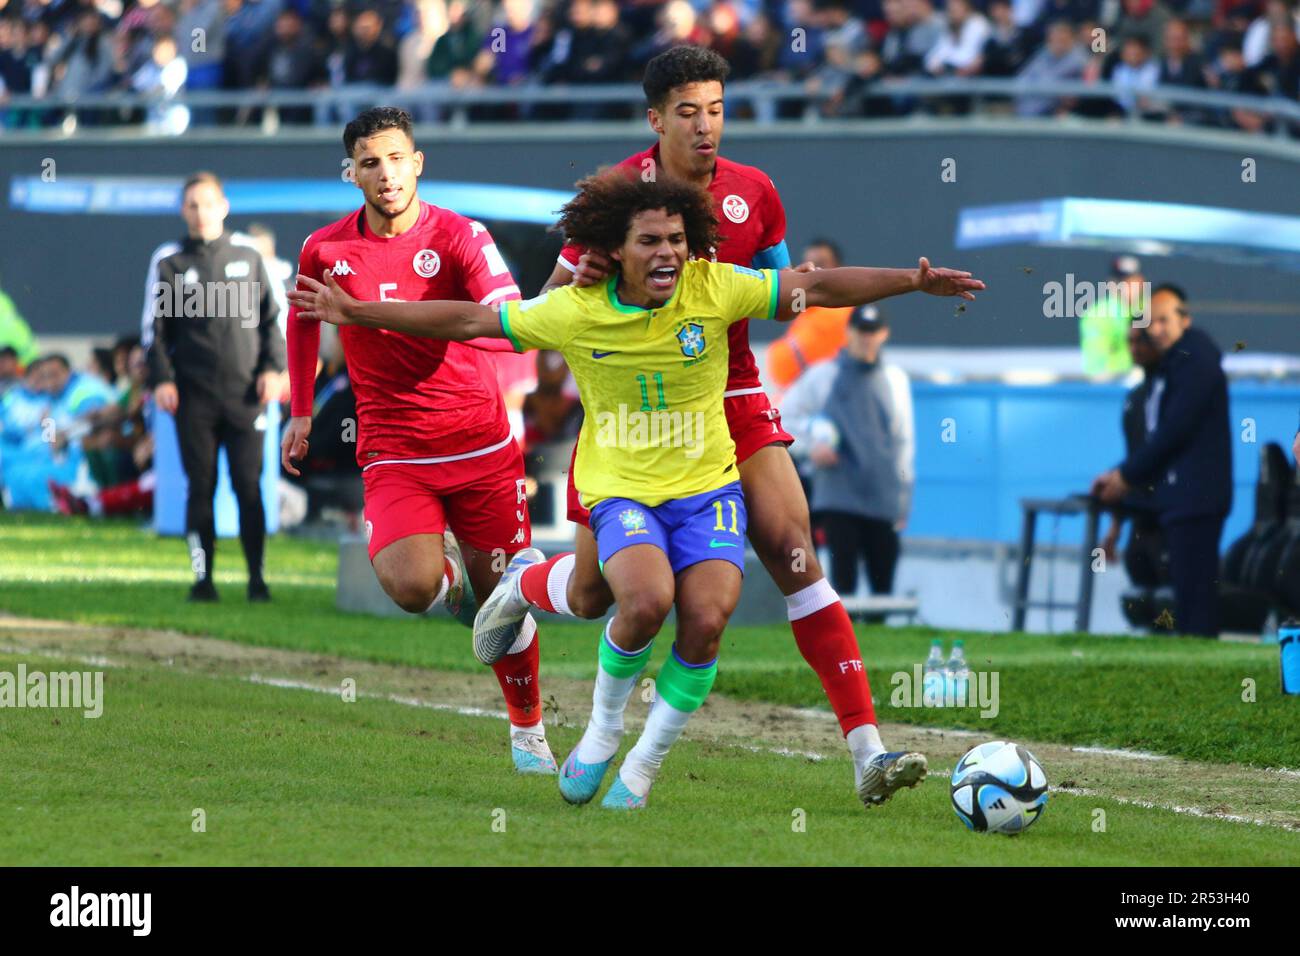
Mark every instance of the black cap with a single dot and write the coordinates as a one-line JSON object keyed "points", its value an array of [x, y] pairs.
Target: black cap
{"points": [[868, 318]]}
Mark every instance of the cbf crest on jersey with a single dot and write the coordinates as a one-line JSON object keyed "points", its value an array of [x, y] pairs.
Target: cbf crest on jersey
{"points": [[633, 521], [691, 338], [426, 263]]}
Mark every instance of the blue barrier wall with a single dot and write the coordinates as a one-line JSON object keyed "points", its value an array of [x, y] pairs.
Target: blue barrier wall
{"points": [[1008, 442], [172, 487]]}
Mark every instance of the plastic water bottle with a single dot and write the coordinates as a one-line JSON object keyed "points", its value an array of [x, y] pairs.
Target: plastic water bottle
{"points": [[932, 681], [957, 674]]}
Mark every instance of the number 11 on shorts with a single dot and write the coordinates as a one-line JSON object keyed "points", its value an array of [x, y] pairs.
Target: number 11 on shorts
{"points": [[735, 524]]}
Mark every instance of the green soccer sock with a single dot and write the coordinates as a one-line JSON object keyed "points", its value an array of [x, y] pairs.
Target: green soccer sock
{"points": [[681, 689]]}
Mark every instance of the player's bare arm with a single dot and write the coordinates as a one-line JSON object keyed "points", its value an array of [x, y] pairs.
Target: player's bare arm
{"points": [[853, 285], [445, 319]]}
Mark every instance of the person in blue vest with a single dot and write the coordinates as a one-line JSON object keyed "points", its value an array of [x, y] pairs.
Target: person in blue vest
{"points": [[1186, 460]]}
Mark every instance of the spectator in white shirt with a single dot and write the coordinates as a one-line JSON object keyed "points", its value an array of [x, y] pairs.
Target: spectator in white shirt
{"points": [[961, 46]]}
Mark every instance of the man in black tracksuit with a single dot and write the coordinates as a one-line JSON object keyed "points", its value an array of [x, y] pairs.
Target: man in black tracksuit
{"points": [[1186, 460], [215, 353]]}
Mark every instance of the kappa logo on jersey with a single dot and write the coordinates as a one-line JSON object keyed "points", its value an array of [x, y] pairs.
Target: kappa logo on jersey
{"points": [[237, 270], [370, 530], [633, 521], [341, 268], [691, 337], [735, 208], [426, 263]]}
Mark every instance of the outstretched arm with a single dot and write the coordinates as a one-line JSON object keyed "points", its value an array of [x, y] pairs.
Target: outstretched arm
{"points": [[456, 321], [852, 286]]}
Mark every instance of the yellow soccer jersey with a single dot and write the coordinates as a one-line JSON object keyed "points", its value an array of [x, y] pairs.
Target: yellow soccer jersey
{"points": [[651, 380]]}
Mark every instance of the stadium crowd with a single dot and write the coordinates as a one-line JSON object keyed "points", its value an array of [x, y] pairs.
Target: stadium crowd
{"points": [[841, 51]]}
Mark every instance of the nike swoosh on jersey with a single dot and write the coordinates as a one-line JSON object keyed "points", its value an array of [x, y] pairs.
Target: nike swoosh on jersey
{"points": [[721, 544], [601, 355]]}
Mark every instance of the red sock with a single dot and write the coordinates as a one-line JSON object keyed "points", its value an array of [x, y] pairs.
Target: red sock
{"points": [[517, 675], [827, 642], [532, 583]]}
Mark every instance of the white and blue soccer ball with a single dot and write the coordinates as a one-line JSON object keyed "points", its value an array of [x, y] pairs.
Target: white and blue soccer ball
{"points": [[999, 787]]}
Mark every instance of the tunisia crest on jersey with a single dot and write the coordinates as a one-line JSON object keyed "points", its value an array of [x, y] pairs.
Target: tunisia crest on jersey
{"points": [[735, 208], [426, 263]]}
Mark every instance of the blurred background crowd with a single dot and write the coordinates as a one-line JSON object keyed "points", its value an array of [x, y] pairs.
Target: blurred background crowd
{"points": [[837, 50]]}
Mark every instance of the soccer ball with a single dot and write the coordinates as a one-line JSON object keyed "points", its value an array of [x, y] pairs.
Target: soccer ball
{"points": [[823, 431], [999, 787]]}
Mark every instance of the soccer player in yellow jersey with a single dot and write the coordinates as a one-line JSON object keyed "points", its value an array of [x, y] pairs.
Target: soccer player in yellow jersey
{"points": [[657, 468]]}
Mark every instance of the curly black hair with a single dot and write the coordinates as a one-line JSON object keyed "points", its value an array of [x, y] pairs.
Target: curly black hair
{"points": [[601, 214], [678, 67], [375, 120]]}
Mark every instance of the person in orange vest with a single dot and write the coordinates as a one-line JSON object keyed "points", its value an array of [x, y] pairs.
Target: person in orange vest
{"points": [[816, 335]]}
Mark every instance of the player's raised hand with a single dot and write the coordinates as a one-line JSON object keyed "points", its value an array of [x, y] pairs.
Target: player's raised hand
{"points": [[593, 267], [945, 281], [323, 301]]}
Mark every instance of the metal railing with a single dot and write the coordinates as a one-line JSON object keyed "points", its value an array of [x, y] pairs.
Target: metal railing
{"points": [[265, 111]]}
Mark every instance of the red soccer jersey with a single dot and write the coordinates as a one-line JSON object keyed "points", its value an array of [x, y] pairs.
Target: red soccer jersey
{"points": [[751, 219], [417, 398]]}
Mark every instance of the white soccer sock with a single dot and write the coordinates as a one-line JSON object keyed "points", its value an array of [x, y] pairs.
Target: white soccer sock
{"points": [[608, 701], [864, 743], [810, 600], [538, 729], [643, 761], [557, 584]]}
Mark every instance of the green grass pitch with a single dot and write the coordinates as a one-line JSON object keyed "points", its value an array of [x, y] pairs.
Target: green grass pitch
{"points": [[287, 776]]}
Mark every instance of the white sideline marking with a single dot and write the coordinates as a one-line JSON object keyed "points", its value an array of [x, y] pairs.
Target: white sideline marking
{"points": [[1174, 808], [395, 698], [958, 732], [100, 661], [473, 711], [1126, 754], [95, 660], [782, 751]]}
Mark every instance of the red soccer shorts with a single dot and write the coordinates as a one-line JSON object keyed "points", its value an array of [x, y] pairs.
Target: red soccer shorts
{"points": [[753, 422], [481, 498]]}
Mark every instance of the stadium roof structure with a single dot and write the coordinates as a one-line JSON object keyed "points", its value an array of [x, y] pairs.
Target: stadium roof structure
{"points": [[1226, 236], [152, 196]]}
